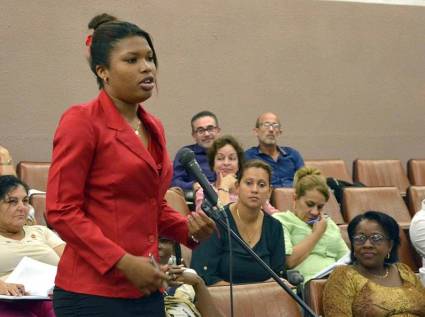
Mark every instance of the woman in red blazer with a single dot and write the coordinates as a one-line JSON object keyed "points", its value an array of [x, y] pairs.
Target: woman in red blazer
{"points": [[110, 170]]}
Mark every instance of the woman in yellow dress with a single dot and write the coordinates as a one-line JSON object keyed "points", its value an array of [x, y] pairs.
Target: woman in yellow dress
{"points": [[375, 284]]}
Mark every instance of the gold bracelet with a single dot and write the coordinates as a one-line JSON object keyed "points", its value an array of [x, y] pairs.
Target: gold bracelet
{"points": [[9, 162], [223, 189]]}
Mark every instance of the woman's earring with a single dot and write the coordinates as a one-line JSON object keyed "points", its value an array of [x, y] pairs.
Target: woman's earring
{"points": [[388, 255]]}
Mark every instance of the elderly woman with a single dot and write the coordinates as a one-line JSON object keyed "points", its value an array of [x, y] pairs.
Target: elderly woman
{"points": [[375, 284], [258, 229], [18, 240], [226, 157], [312, 241]]}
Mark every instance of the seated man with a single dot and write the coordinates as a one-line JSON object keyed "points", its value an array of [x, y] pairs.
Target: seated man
{"points": [[205, 130], [283, 160]]}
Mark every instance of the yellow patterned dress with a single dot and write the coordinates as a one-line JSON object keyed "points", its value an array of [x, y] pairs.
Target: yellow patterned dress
{"points": [[348, 293]]}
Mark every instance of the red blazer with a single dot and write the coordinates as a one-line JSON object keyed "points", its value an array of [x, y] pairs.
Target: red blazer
{"points": [[105, 197]]}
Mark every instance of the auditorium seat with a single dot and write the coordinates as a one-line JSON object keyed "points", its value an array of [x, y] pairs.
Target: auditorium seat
{"points": [[376, 173], [313, 293], [38, 201], [416, 171], [331, 168], [34, 174], [357, 200], [256, 300], [415, 195], [344, 233], [283, 200], [176, 200]]}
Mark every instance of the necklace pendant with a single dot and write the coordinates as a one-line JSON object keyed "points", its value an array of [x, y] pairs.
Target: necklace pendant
{"points": [[137, 132]]}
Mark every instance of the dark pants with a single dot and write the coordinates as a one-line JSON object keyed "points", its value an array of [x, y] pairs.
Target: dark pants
{"points": [[69, 304]]}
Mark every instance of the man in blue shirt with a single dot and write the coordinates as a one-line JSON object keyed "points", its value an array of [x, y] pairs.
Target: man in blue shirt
{"points": [[205, 130], [284, 160]]}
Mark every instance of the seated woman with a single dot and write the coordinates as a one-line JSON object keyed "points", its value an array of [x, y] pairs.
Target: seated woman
{"points": [[375, 283], [187, 293], [312, 241], [226, 157], [258, 229], [18, 240]]}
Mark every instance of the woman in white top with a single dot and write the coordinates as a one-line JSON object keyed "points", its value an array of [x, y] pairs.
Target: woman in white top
{"points": [[18, 240]]}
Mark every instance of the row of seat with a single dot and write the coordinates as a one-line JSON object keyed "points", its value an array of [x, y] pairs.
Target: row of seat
{"points": [[369, 172], [375, 173], [357, 200]]}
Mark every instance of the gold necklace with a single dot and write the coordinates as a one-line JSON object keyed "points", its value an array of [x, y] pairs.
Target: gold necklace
{"points": [[138, 128], [381, 277], [387, 272], [251, 236]]}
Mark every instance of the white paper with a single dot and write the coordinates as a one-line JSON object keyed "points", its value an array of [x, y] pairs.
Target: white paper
{"points": [[328, 270], [37, 277]]}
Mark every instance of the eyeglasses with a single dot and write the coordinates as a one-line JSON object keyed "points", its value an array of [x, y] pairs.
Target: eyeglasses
{"points": [[209, 129], [375, 239], [268, 125]]}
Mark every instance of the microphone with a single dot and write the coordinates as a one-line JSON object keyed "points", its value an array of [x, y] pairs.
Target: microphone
{"points": [[187, 159]]}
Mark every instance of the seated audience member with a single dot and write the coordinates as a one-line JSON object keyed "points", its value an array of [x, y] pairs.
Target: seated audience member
{"points": [[205, 130], [417, 231], [18, 240], [225, 157], [6, 163], [312, 240], [259, 230], [187, 294], [375, 284], [284, 160]]}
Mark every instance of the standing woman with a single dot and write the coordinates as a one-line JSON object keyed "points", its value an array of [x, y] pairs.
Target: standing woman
{"points": [[110, 170]]}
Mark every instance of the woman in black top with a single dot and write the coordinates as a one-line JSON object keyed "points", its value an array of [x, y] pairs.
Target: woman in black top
{"points": [[259, 230]]}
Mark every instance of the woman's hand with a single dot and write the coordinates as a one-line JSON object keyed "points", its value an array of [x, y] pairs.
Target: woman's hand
{"points": [[226, 182], [141, 272], [320, 226], [11, 289], [200, 226]]}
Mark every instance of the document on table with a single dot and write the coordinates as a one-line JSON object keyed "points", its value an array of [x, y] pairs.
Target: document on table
{"points": [[37, 277]]}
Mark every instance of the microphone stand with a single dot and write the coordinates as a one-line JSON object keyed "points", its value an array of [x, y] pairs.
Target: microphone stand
{"points": [[215, 213]]}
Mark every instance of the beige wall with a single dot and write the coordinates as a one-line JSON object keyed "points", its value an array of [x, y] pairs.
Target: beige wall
{"points": [[347, 80]]}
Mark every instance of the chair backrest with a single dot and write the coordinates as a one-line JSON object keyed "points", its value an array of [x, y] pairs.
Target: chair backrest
{"points": [[313, 295], [283, 200], [38, 201], [344, 233], [34, 174], [177, 201], [256, 300], [6, 162], [415, 195], [357, 200], [381, 173], [331, 168], [416, 171]]}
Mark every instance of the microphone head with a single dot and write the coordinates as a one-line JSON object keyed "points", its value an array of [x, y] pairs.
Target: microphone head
{"points": [[186, 155]]}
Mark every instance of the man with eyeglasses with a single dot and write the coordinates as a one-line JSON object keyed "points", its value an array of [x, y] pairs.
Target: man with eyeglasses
{"points": [[284, 160], [205, 130]]}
